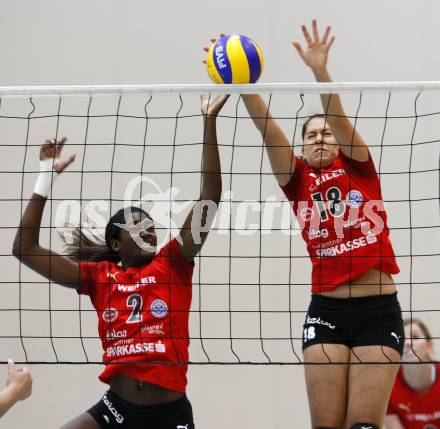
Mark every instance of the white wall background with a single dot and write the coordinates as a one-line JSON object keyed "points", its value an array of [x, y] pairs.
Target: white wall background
{"points": [[109, 42]]}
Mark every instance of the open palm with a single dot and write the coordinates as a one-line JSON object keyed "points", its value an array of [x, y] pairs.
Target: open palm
{"points": [[315, 54]]}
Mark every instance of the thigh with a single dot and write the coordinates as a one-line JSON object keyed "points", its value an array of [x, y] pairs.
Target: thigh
{"points": [[370, 381], [83, 421], [327, 379]]}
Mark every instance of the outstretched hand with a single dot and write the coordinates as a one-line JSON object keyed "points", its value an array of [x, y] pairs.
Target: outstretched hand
{"points": [[315, 54], [213, 40], [211, 106], [52, 149]]}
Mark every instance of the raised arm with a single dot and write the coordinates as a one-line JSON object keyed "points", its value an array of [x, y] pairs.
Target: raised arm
{"points": [[26, 247], [315, 55], [198, 223], [278, 148], [281, 157]]}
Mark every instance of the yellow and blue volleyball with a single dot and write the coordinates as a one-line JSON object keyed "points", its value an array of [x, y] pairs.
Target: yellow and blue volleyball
{"points": [[234, 59]]}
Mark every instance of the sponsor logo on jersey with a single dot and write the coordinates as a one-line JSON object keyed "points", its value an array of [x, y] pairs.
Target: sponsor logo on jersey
{"points": [[325, 178], [110, 335], [110, 315], [130, 349], [425, 417], [348, 246], [356, 223], [327, 244], [307, 214], [317, 233], [405, 407], [113, 276], [354, 199], [128, 288], [159, 308], [119, 418], [154, 329], [134, 287]]}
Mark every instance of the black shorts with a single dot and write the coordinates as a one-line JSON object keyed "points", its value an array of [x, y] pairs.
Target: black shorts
{"points": [[114, 412], [366, 321]]}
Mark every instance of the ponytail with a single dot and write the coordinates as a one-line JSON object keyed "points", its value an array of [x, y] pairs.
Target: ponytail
{"points": [[83, 248]]}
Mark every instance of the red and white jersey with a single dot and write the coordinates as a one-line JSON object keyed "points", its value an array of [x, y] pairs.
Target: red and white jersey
{"points": [[416, 410], [143, 316], [343, 220]]}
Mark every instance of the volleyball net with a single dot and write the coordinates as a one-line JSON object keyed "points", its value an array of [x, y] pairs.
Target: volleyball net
{"points": [[252, 279]]}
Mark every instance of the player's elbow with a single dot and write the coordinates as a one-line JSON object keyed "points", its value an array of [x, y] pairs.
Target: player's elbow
{"points": [[16, 248], [19, 248]]}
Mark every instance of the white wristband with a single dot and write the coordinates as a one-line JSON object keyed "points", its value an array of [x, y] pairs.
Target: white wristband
{"points": [[46, 178]]}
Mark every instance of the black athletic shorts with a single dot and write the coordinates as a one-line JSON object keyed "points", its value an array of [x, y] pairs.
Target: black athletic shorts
{"points": [[365, 321], [114, 412]]}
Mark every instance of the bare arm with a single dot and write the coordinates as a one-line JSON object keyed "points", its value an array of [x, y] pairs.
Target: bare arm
{"points": [[278, 148], [27, 248], [392, 421], [198, 223], [315, 56], [281, 157]]}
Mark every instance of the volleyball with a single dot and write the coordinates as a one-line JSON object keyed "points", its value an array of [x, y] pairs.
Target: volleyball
{"points": [[234, 59]]}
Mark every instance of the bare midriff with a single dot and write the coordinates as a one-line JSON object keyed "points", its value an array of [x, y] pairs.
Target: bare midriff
{"points": [[372, 283], [141, 392]]}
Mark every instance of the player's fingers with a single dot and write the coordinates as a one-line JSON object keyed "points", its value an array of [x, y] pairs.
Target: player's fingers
{"points": [[298, 47], [315, 30], [326, 34], [222, 99], [69, 160], [206, 49], [62, 165], [306, 34], [331, 42], [11, 365], [59, 146], [213, 40], [204, 62], [50, 142]]}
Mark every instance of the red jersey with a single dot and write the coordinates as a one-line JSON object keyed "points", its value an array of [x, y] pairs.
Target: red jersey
{"points": [[343, 220], [143, 316], [416, 410]]}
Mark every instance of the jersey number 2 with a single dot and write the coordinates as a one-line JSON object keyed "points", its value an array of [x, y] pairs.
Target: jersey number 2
{"points": [[135, 301]]}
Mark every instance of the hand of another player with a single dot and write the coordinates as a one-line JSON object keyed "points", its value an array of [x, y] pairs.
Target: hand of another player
{"points": [[315, 54], [19, 381], [211, 105], [213, 40], [52, 149]]}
